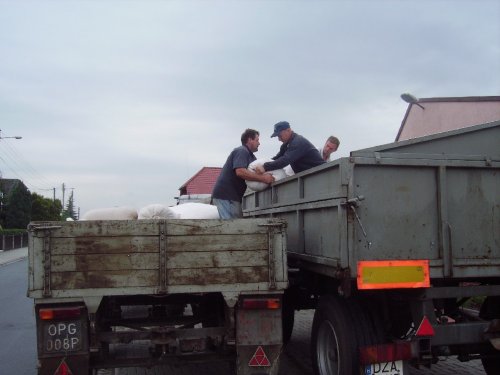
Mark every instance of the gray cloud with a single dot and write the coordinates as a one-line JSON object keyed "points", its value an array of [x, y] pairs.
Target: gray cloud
{"points": [[126, 101]]}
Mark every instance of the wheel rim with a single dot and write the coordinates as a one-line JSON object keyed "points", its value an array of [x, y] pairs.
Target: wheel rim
{"points": [[327, 353]]}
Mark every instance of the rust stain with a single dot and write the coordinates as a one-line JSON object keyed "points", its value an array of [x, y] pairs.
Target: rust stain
{"points": [[81, 263]]}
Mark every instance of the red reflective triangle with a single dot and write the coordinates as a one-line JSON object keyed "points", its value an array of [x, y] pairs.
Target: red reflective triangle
{"points": [[425, 328], [259, 359], [63, 369]]}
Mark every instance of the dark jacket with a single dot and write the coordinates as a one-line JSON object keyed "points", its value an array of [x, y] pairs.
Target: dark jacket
{"points": [[298, 152]]}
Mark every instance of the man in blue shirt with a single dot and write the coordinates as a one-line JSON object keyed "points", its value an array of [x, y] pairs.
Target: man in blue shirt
{"points": [[230, 186], [295, 150]]}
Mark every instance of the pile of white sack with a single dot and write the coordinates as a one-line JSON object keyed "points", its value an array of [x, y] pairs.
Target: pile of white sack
{"points": [[278, 174], [190, 210], [154, 211], [111, 213]]}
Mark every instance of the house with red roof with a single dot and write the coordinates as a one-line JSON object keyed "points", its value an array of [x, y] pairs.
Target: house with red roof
{"points": [[199, 187]]}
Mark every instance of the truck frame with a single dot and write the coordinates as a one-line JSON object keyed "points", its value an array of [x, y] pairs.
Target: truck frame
{"points": [[123, 293], [397, 247]]}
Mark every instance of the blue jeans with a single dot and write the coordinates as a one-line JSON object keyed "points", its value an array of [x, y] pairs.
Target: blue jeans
{"points": [[228, 209]]}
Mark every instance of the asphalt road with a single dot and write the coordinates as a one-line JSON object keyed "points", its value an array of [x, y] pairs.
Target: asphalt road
{"points": [[17, 321]]}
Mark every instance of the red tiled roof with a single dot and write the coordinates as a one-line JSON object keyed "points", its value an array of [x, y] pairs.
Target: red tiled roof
{"points": [[202, 182]]}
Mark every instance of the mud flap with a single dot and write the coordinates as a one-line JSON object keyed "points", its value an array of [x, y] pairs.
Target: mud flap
{"points": [[259, 341]]}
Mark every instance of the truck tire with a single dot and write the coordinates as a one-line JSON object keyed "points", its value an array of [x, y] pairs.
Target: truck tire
{"points": [[334, 346], [490, 309], [366, 324]]}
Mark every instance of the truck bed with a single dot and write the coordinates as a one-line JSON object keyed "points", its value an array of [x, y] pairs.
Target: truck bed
{"points": [[435, 198], [126, 257]]}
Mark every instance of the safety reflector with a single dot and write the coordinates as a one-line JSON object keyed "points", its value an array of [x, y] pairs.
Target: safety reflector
{"points": [[425, 328], [60, 313], [392, 274], [401, 350], [261, 304], [259, 359], [63, 369]]}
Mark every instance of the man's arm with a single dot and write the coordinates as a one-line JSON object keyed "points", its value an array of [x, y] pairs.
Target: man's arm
{"points": [[295, 151], [281, 152], [251, 176]]}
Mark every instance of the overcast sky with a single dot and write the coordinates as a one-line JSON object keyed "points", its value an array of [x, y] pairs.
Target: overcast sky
{"points": [[126, 100]]}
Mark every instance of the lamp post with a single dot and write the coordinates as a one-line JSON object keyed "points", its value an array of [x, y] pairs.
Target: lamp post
{"points": [[2, 204], [15, 137], [411, 99]]}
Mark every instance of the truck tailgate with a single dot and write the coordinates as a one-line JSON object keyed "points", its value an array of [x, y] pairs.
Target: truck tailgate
{"points": [[96, 258]]}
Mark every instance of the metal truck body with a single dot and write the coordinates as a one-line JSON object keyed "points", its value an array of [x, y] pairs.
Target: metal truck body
{"points": [[388, 244], [125, 293]]}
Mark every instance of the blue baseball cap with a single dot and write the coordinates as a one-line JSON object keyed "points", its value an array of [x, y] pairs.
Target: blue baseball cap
{"points": [[282, 125]]}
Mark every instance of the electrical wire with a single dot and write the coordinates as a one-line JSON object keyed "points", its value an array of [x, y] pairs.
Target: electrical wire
{"points": [[19, 166]]}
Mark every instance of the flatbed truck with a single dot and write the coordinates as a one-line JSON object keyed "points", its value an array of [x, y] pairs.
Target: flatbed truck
{"points": [[141, 293]]}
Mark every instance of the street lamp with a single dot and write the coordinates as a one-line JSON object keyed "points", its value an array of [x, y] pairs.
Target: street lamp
{"points": [[15, 137], [411, 99]]}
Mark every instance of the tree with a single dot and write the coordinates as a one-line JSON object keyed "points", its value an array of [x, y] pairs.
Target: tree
{"points": [[69, 212], [16, 207], [45, 209]]}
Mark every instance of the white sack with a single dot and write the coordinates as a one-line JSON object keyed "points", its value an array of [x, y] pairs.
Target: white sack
{"points": [[157, 211], [288, 170], [278, 174], [195, 211], [112, 213]]}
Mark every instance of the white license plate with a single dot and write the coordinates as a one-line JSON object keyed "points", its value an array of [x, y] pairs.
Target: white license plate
{"points": [[62, 336], [385, 368]]}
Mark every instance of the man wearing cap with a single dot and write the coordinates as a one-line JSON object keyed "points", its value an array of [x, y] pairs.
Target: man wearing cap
{"points": [[295, 150], [230, 185]]}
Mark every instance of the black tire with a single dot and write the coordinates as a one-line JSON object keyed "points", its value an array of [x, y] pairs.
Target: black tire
{"points": [[366, 324], [491, 365], [490, 309], [333, 344]]}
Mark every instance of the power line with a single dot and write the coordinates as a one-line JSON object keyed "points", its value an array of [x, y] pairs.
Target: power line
{"points": [[13, 159], [21, 168]]}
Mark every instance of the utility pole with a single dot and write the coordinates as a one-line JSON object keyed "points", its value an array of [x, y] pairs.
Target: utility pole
{"points": [[63, 190]]}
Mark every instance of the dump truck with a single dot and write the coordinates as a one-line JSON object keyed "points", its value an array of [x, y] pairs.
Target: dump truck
{"points": [[139, 293], [397, 248]]}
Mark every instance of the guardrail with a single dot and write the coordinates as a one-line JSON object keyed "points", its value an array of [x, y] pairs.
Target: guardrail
{"points": [[13, 241]]}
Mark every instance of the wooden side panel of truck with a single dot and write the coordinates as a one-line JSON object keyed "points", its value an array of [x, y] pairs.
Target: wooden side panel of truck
{"points": [[97, 258]]}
